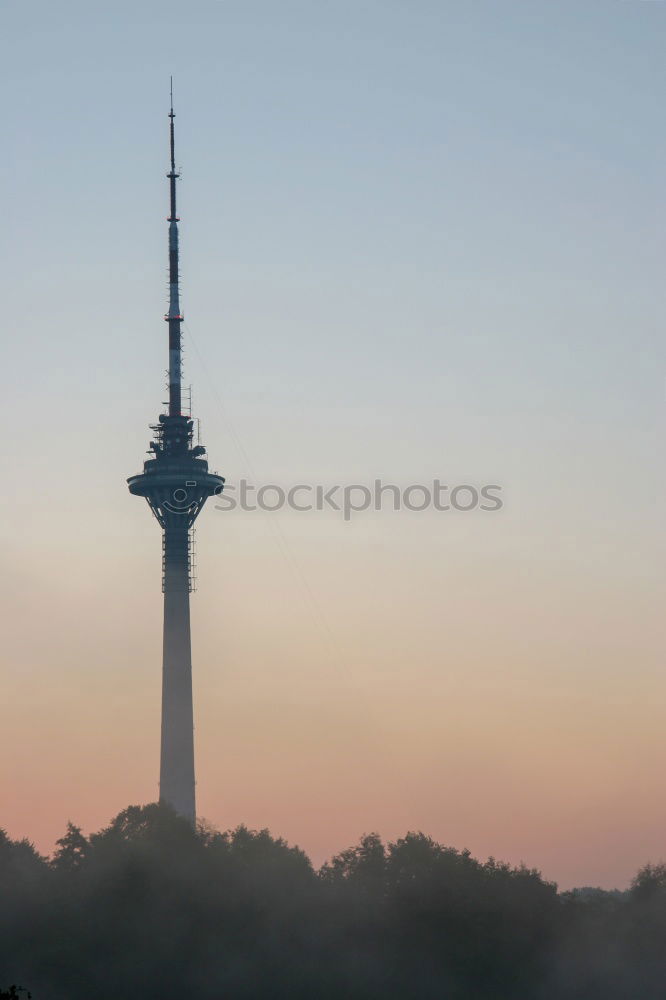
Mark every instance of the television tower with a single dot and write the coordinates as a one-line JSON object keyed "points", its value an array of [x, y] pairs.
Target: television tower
{"points": [[176, 483]]}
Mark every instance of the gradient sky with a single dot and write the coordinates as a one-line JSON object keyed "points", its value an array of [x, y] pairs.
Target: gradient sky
{"points": [[419, 239]]}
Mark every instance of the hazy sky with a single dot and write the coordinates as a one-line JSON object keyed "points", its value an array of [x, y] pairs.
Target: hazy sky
{"points": [[419, 239]]}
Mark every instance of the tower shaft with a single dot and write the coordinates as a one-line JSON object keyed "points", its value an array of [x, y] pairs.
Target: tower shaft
{"points": [[177, 737]]}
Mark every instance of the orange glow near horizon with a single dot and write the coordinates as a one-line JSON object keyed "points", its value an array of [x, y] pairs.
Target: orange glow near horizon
{"points": [[394, 710]]}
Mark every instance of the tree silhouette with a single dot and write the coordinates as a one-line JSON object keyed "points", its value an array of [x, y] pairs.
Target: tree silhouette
{"points": [[649, 882], [71, 850], [171, 911]]}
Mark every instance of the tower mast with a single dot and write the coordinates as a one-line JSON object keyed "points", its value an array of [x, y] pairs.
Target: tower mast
{"points": [[174, 317], [176, 483]]}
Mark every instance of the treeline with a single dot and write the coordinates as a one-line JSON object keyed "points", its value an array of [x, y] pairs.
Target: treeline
{"points": [[148, 908]]}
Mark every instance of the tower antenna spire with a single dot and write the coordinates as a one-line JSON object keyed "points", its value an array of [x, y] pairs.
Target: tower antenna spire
{"points": [[174, 316]]}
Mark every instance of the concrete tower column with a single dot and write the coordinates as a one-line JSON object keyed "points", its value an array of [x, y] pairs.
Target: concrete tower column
{"points": [[177, 741]]}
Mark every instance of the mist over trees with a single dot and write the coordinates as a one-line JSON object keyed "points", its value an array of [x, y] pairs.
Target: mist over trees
{"points": [[149, 908]]}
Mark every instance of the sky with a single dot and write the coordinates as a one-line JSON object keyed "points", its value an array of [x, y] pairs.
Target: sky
{"points": [[419, 240]]}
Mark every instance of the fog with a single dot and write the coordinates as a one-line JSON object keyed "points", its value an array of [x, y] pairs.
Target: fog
{"points": [[149, 907]]}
